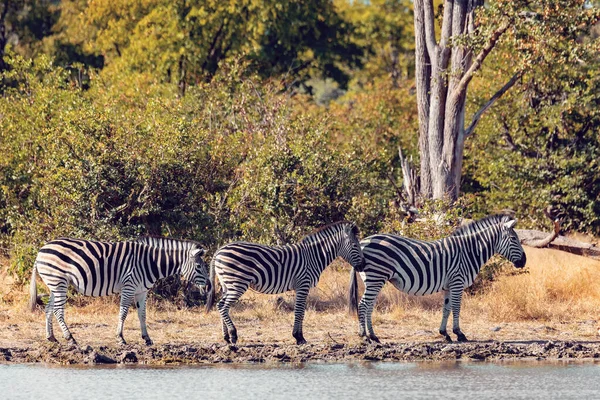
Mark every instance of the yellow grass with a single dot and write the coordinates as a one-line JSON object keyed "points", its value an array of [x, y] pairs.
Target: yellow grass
{"points": [[557, 298]]}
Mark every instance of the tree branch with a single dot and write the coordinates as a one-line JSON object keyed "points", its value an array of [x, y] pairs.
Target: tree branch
{"points": [[466, 79], [446, 25], [429, 28], [491, 101]]}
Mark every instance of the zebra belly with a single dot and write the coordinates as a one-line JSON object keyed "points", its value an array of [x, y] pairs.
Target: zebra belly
{"points": [[271, 289], [417, 291]]}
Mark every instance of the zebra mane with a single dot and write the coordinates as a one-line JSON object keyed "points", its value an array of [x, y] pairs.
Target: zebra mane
{"points": [[331, 226], [168, 243], [481, 224]]}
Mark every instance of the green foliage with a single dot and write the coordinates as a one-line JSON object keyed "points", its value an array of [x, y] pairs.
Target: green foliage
{"points": [[185, 42], [539, 145], [436, 219], [232, 159], [386, 30]]}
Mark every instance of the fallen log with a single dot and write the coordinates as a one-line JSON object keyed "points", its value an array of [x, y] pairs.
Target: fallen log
{"points": [[539, 239], [555, 240]]}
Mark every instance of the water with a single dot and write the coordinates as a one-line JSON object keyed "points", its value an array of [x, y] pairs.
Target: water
{"points": [[455, 380]]}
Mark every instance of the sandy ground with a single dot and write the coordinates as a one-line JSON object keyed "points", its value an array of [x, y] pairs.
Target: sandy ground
{"points": [[191, 336]]}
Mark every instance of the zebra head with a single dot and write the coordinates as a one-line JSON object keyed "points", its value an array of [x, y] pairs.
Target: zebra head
{"points": [[194, 268], [350, 249], [509, 245]]}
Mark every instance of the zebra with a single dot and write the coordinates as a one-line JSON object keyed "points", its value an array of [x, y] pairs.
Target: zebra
{"points": [[272, 270], [103, 268], [420, 267]]}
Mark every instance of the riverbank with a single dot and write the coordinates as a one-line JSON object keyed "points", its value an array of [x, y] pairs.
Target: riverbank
{"points": [[274, 353]]}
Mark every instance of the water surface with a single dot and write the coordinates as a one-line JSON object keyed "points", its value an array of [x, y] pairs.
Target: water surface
{"points": [[423, 380]]}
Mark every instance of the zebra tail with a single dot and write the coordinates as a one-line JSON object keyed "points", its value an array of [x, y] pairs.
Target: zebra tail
{"points": [[210, 297], [33, 289], [353, 294]]}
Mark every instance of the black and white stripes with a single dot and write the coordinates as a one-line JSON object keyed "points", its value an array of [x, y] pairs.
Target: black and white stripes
{"points": [[267, 269], [102, 268], [418, 267]]}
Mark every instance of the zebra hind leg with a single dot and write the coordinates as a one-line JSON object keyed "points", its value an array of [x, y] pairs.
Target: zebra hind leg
{"points": [[229, 329], [49, 313], [371, 332], [368, 302], [60, 298], [362, 309]]}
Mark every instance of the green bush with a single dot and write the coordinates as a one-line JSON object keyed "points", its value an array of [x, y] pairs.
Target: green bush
{"points": [[233, 159]]}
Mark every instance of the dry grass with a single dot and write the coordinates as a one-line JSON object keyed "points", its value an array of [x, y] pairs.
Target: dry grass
{"points": [[557, 299]]}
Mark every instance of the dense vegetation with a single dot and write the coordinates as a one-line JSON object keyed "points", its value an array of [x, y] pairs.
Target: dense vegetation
{"points": [[261, 120]]}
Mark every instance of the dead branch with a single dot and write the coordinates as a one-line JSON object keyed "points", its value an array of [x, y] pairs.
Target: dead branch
{"points": [[410, 179], [539, 239], [539, 243]]}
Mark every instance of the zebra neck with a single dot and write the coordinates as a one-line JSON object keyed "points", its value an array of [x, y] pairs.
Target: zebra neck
{"points": [[476, 248], [165, 263], [320, 253]]}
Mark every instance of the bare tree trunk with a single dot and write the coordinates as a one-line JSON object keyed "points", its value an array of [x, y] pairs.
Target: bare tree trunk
{"points": [[423, 81], [443, 73]]}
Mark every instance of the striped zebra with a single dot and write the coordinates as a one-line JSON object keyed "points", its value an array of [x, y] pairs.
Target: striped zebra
{"points": [[101, 269], [272, 270], [420, 268]]}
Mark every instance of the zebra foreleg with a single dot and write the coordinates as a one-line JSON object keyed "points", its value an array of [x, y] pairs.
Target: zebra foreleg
{"points": [[456, 298], [299, 310], [123, 310], [140, 302], [445, 314]]}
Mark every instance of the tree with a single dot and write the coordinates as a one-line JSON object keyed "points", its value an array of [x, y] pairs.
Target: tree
{"points": [[384, 28], [24, 23], [186, 41], [537, 31]]}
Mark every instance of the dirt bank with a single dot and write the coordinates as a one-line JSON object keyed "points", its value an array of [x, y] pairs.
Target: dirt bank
{"points": [[274, 353]]}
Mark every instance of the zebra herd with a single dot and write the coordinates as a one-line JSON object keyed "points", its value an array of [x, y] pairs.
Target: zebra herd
{"points": [[417, 267]]}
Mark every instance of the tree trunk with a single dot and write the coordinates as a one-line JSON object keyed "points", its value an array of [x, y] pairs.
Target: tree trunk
{"points": [[443, 73]]}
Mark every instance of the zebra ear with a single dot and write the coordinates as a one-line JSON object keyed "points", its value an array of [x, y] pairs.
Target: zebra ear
{"points": [[351, 230], [510, 224], [198, 252]]}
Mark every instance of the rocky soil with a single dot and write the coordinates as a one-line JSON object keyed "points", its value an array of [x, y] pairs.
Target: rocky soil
{"points": [[273, 353]]}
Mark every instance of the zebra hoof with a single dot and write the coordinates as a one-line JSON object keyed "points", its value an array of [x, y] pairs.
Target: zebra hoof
{"points": [[149, 342], [374, 338], [446, 336], [461, 337], [52, 339], [299, 338], [121, 341], [234, 339], [72, 342]]}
